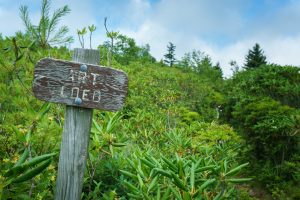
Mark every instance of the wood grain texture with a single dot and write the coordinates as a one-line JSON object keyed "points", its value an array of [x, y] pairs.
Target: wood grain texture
{"points": [[62, 82], [74, 146], [73, 153]]}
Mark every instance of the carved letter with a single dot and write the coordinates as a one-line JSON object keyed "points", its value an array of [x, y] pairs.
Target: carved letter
{"points": [[77, 92], [81, 77], [71, 75], [96, 96], [94, 78], [84, 95], [62, 92]]}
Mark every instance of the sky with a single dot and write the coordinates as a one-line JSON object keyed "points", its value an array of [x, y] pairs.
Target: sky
{"points": [[223, 29]]}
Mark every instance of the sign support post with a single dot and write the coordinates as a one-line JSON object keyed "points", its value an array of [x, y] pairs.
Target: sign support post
{"points": [[82, 85], [75, 140]]}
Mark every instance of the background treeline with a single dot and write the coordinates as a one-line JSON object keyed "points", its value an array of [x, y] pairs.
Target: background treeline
{"points": [[185, 132]]}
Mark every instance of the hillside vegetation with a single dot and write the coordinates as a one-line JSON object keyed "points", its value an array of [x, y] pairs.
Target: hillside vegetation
{"points": [[185, 132]]}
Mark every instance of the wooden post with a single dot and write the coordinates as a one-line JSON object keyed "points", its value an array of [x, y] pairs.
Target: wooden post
{"points": [[82, 85], [75, 141]]}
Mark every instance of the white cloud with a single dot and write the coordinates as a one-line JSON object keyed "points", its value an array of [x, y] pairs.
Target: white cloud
{"points": [[284, 50], [202, 25], [221, 29], [200, 17], [137, 11]]}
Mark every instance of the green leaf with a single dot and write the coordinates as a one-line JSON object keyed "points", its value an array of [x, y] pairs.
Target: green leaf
{"points": [[7, 49], [152, 160], [28, 135], [111, 150], [43, 110], [148, 163], [207, 183], [225, 165], [238, 180], [146, 197], [20, 136], [166, 195], [19, 57], [131, 175], [96, 125], [192, 178], [131, 187], [218, 197], [201, 169], [92, 28], [135, 196], [179, 183], [187, 196], [236, 170], [170, 164], [140, 171], [198, 163], [141, 182], [118, 144], [38, 159], [163, 172], [152, 184], [176, 193], [158, 197], [22, 158], [33, 172], [16, 170]]}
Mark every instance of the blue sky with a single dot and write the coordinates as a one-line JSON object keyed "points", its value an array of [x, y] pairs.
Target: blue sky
{"points": [[224, 29]]}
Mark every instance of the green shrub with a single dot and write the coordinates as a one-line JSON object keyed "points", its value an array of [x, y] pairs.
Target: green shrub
{"points": [[263, 106], [187, 177], [270, 127]]}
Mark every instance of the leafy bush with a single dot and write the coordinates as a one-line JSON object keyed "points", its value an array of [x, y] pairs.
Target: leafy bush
{"points": [[263, 105], [189, 177], [270, 127]]}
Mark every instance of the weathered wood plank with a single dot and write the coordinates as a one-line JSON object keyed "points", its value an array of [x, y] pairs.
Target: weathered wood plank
{"points": [[96, 86], [73, 153], [75, 141]]}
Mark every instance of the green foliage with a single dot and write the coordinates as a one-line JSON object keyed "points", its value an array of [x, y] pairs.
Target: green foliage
{"points": [[112, 35], [263, 104], [189, 117], [126, 51], [270, 127], [187, 177], [81, 34], [211, 134], [91, 28], [255, 58], [200, 63], [25, 122], [23, 171], [277, 82], [168, 141], [45, 32]]}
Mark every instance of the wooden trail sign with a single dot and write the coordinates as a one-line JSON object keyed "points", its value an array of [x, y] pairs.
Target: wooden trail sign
{"points": [[81, 85]]}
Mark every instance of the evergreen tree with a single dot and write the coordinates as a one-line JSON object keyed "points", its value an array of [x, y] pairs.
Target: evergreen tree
{"points": [[218, 69], [255, 58], [170, 56]]}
